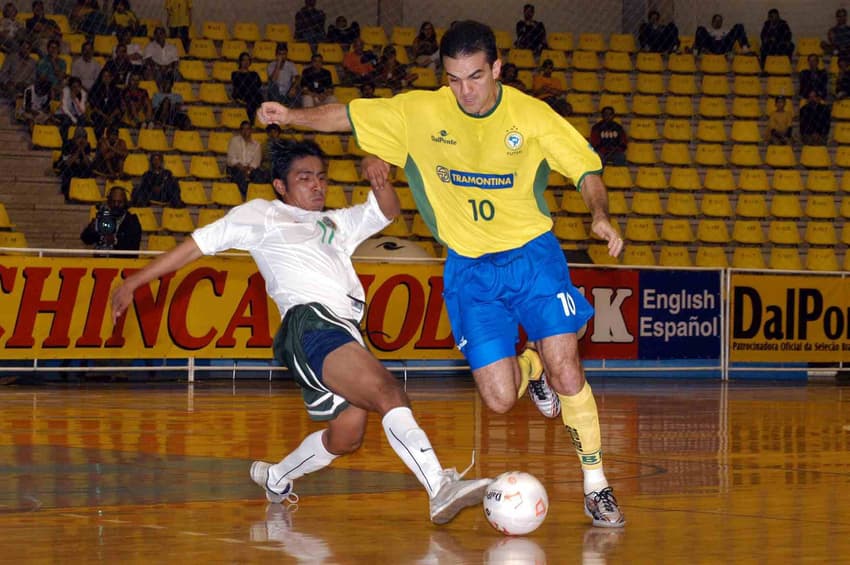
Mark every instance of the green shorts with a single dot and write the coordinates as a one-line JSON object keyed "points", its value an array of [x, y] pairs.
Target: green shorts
{"points": [[308, 333]]}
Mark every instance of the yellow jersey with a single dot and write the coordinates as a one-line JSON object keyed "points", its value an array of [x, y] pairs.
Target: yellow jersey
{"points": [[179, 12], [478, 181]]}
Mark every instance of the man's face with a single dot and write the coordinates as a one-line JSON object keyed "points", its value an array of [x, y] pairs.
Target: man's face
{"points": [[159, 36], [306, 184], [316, 62], [357, 45], [88, 51], [607, 115], [717, 22], [117, 200], [156, 162], [813, 62], [121, 52], [654, 17], [134, 81], [245, 131], [473, 81], [773, 17], [53, 49], [841, 17], [780, 104], [282, 53], [38, 9], [528, 13]]}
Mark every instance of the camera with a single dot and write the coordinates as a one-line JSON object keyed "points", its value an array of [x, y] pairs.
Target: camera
{"points": [[106, 223]]}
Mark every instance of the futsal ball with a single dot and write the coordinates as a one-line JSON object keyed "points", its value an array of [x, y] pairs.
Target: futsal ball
{"points": [[516, 503]]}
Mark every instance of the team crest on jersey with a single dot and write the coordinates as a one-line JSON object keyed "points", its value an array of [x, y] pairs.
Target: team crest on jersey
{"points": [[514, 140]]}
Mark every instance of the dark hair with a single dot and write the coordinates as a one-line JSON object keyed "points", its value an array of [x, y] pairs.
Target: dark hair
{"points": [[653, 13], [272, 127], [468, 37], [284, 152], [773, 11], [115, 188], [282, 46]]}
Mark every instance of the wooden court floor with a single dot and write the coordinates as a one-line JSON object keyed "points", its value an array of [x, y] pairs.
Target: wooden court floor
{"points": [[705, 472]]}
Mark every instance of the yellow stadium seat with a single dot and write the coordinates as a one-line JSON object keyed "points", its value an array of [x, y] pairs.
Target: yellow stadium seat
{"points": [[639, 153], [187, 141], [331, 53], [177, 220], [643, 129], [584, 81], [641, 230], [674, 256], [5, 223], [225, 194], [219, 141], [299, 52], [647, 204], [85, 190], [405, 197], [591, 42], [207, 216], [716, 205], [719, 180], [841, 109], [619, 83], [419, 227], [373, 35], [616, 101], [194, 71], [403, 36], [331, 144], [821, 207], [618, 178], [681, 204], [581, 124], [677, 230], [75, 42], [105, 44], [616, 61], [570, 229], [232, 118], [748, 258], [617, 205], [526, 77], [343, 171], [815, 157], [215, 30], [780, 156], [753, 180], [746, 108], [185, 90], [809, 46], [264, 51], [153, 140], [345, 94], [842, 156], [682, 63], [556, 179], [777, 65], [820, 180], [677, 130], [278, 32], [745, 131], [820, 233], [261, 190], [136, 164], [712, 231], [679, 106], [785, 259], [651, 178], [622, 42], [246, 31], [747, 85], [751, 205], [157, 242], [645, 105], [685, 179], [682, 85], [711, 256], [425, 77], [353, 149], [147, 219], [711, 131], [639, 256], [821, 259], [46, 137], [787, 180], [582, 103], [748, 232], [649, 62], [710, 155], [783, 232], [192, 193], [841, 133], [780, 86], [647, 83], [713, 107], [335, 197], [231, 49], [558, 58], [745, 155], [713, 64], [522, 58], [174, 163], [786, 206], [203, 48], [124, 135], [845, 233], [598, 253], [397, 228], [178, 45], [745, 65], [204, 167], [562, 41], [676, 154]]}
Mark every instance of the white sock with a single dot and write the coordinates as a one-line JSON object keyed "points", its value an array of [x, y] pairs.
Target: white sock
{"points": [[411, 444], [594, 480], [310, 456]]}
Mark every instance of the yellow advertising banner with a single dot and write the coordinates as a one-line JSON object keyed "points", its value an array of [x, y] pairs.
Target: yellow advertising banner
{"points": [[782, 318], [58, 308]]}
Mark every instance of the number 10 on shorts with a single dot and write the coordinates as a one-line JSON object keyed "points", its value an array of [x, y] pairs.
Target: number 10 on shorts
{"points": [[567, 303]]}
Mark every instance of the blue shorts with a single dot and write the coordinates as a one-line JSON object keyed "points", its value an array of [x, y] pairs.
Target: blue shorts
{"points": [[488, 296]]}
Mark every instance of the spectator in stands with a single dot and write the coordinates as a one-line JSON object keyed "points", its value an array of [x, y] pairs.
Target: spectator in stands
{"points": [[41, 29], [120, 66], [52, 67], [779, 124], [317, 84], [135, 53], [775, 37], [510, 77], [18, 71], [244, 157], [179, 14], [72, 111], [310, 24], [87, 18], [86, 67], [157, 187], [136, 105], [11, 29], [161, 59], [272, 137], [548, 88], [426, 48], [75, 161], [720, 40], [168, 108], [815, 119], [343, 33], [123, 18], [813, 78], [359, 64], [104, 103], [247, 88], [284, 84], [390, 73], [367, 90], [657, 38], [128, 233], [530, 34], [842, 82], [838, 37], [110, 155], [608, 138], [35, 107]]}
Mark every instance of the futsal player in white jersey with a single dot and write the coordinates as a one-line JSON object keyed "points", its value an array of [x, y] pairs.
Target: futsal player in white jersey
{"points": [[304, 254]]}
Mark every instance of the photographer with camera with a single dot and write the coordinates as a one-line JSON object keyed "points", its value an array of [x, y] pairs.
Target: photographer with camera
{"points": [[114, 226]]}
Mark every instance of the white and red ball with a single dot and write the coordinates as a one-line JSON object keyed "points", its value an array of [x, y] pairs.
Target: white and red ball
{"points": [[516, 503]]}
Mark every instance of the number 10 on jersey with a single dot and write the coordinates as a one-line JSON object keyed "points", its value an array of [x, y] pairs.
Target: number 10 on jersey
{"points": [[482, 210]]}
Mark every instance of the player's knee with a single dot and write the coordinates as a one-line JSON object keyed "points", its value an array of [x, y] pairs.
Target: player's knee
{"points": [[344, 444], [500, 403]]}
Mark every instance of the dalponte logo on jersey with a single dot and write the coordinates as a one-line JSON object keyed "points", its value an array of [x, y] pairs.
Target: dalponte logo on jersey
{"points": [[474, 180], [442, 136]]}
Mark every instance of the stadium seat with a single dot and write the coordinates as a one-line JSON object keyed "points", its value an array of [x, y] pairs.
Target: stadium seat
{"points": [[684, 179], [677, 230], [207, 216], [425, 77], [174, 163], [246, 31], [779, 156], [618, 83], [787, 180], [231, 49], [746, 108], [225, 194], [815, 157], [158, 242], [522, 58], [419, 228], [586, 82], [639, 256], [187, 141], [809, 46], [679, 106], [331, 53], [373, 35], [177, 220], [745, 85], [331, 144], [219, 141], [185, 90], [651, 178], [622, 42], [777, 65], [343, 171], [786, 206], [820, 233], [153, 140], [46, 137], [178, 45], [397, 228], [645, 105], [335, 196], [260, 190], [710, 155], [841, 133], [821, 259], [712, 231], [682, 63], [618, 62], [581, 124], [570, 229], [682, 85], [558, 58], [711, 256], [203, 48], [785, 259], [711, 64], [617, 178], [403, 36], [147, 219], [204, 167], [591, 42], [841, 109], [136, 164], [681, 204], [405, 197], [783, 232], [647, 204], [5, 223], [711, 131], [616, 101], [719, 180], [105, 45], [779, 86], [562, 41], [716, 205], [647, 83], [674, 256], [278, 33], [676, 154], [677, 130], [643, 129], [75, 42], [649, 62], [617, 205], [713, 107], [639, 153], [751, 205], [753, 180], [748, 232], [85, 190], [745, 65], [215, 30], [641, 230], [264, 51], [232, 118], [299, 52], [745, 131], [745, 257], [842, 156], [213, 93], [820, 180], [192, 193], [745, 155], [598, 253], [191, 70], [821, 207]]}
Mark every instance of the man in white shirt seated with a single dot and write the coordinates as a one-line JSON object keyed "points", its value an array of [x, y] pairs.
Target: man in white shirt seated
{"points": [[244, 156], [161, 58], [86, 67]]}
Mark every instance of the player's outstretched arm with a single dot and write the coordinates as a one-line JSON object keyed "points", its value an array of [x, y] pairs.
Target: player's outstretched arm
{"points": [[166, 263], [328, 117], [377, 172], [596, 198]]}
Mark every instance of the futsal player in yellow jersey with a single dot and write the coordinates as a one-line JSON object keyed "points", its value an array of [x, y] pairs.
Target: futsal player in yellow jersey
{"points": [[477, 157]]}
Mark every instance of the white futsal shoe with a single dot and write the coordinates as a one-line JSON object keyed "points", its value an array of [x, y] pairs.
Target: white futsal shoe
{"points": [[541, 393], [260, 475], [602, 508], [455, 494]]}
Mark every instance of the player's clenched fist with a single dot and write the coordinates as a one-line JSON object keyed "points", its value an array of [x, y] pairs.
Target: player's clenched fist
{"points": [[274, 113]]}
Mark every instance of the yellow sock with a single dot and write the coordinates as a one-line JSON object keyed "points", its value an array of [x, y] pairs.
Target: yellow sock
{"points": [[582, 421], [529, 369]]}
